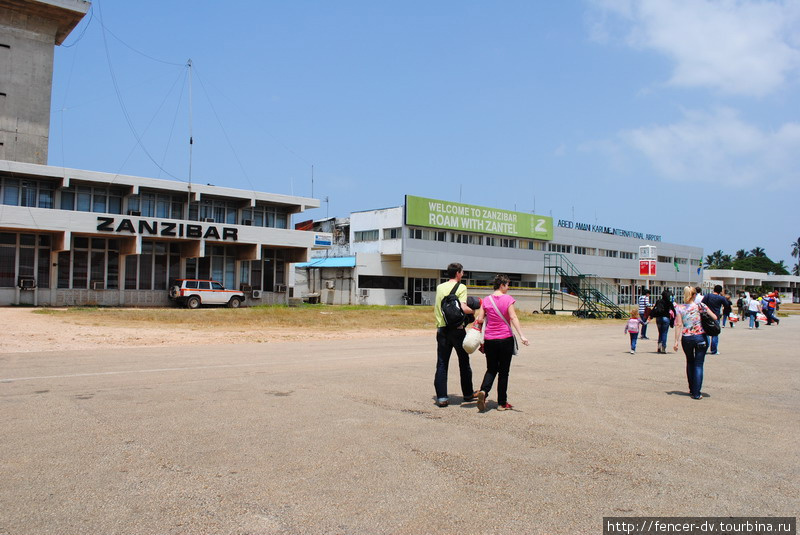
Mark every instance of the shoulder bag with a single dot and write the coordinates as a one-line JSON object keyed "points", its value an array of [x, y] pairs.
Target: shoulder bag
{"points": [[516, 346], [710, 325]]}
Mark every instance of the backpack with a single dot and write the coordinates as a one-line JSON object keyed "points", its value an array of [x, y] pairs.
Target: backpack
{"points": [[451, 308]]}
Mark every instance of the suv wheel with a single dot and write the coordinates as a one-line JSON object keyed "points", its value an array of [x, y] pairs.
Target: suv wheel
{"points": [[235, 302], [193, 302]]}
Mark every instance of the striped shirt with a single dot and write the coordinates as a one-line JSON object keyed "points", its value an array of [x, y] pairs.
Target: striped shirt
{"points": [[644, 302]]}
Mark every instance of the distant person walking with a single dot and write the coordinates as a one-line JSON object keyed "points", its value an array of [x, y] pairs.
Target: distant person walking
{"points": [[632, 328], [727, 308], [498, 312], [689, 330], [753, 308], [715, 301], [644, 304], [664, 314], [741, 307], [451, 337]]}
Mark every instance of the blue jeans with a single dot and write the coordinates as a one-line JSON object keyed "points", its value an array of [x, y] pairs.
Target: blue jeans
{"points": [[663, 330], [714, 344], [634, 337], [644, 325], [448, 339], [753, 316], [694, 347]]}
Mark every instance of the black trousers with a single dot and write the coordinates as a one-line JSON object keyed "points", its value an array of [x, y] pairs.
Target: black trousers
{"points": [[498, 363], [448, 339]]}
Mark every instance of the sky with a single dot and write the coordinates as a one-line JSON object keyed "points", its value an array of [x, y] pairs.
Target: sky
{"points": [[672, 117]]}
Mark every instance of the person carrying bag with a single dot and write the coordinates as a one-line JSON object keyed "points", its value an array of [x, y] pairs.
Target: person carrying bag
{"points": [[498, 315]]}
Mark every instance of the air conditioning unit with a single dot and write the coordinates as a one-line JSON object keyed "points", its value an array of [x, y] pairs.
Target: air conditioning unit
{"points": [[363, 292], [247, 222], [27, 284], [280, 288], [135, 212], [98, 285], [331, 285], [208, 220], [256, 294]]}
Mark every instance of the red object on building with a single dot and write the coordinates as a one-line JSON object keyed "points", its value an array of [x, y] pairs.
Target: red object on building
{"points": [[647, 268]]}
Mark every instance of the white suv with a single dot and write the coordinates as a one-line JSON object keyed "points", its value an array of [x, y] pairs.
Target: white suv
{"points": [[192, 293]]}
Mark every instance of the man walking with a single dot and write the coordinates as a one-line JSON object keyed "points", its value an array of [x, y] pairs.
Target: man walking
{"points": [[644, 302], [715, 301], [451, 337]]}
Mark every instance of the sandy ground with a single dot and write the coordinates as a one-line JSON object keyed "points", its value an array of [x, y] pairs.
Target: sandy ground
{"points": [[25, 331], [324, 436]]}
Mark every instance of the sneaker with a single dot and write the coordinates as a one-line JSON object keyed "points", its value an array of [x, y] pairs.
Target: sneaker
{"points": [[442, 402], [697, 397], [633, 352], [505, 407], [481, 401], [470, 399]]}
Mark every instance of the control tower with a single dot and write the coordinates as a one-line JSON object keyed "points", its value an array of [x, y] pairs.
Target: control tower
{"points": [[29, 30]]}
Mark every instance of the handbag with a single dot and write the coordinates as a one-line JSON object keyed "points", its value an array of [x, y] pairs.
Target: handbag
{"points": [[710, 325], [474, 338], [516, 346]]}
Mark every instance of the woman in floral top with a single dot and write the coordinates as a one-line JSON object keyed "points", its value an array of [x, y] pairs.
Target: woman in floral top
{"points": [[693, 338]]}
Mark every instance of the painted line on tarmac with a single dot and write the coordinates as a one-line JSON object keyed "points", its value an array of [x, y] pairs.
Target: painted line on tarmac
{"points": [[161, 370]]}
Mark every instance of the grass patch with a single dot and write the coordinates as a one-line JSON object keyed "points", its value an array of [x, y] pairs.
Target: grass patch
{"points": [[305, 317]]}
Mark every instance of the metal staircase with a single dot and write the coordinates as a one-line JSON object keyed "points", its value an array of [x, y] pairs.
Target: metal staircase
{"points": [[598, 297]]}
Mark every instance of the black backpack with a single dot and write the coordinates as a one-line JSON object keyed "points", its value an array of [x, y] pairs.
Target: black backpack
{"points": [[451, 309]]}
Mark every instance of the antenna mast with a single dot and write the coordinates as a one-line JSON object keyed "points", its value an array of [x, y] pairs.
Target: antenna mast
{"points": [[191, 141]]}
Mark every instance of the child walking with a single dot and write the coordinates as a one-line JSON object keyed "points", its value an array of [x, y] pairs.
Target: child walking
{"points": [[633, 327]]}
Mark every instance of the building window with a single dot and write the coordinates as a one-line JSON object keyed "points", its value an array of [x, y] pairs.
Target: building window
{"points": [[508, 242], [156, 205], [381, 282], [665, 259], [695, 262], [32, 193], [391, 233], [366, 235], [626, 255], [682, 261], [266, 216], [559, 248], [609, 253], [589, 251], [89, 199], [424, 234]]}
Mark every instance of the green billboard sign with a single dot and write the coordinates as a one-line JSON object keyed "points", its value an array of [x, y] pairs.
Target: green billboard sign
{"points": [[422, 212]]}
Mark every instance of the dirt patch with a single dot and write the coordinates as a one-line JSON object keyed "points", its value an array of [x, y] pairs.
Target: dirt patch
{"points": [[28, 329]]}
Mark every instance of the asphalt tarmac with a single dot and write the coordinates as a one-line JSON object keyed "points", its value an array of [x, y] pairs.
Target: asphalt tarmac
{"points": [[343, 437]]}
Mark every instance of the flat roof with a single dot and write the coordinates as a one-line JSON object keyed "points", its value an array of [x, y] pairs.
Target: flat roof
{"points": [[65, 13]]}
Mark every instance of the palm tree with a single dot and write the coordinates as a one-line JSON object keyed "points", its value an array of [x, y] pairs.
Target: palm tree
{"points": [[758, 252], [796, 269], [781, 267], [725, 262], [741, 254], [795, 245], [714, 260]]}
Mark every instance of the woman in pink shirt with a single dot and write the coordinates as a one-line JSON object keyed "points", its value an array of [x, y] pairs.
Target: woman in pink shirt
{"points": [[499, 343]]}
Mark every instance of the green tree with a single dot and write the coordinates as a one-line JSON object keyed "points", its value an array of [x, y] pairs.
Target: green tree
{"points": [[741, 254], [781, 268], [796, 269], [758, 252], [714, 260], [761, 264], [795, 245], [725, 262]]}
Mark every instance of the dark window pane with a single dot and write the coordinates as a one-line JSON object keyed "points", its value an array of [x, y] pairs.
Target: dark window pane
{"points": [[27, 239], [26, 262], [11, 192], [380, 281], [8, 258], [63, 269], [131, 269], [80, 269], [98, 268], [112, 280], [67, 200], [43, 274]]}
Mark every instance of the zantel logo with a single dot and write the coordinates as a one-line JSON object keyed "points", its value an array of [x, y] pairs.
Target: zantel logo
{"points": [[167, 229]]}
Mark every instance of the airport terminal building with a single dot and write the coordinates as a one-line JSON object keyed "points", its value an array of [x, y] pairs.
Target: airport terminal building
{"points": [[399, 255], [76, 237]]}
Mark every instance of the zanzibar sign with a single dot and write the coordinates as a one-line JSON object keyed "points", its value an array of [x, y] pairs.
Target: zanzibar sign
{"points": [[608, 230], [166, 229], [421, 212]]}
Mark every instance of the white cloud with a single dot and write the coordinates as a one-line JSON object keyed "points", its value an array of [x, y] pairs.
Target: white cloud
{"points": [[734, 46], [720, 148]]}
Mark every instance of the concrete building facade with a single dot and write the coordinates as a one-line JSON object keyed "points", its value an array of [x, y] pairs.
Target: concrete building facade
{"points": [[401, 254], [29, 29]]}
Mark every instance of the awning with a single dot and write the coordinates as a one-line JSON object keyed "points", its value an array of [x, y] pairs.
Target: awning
{"points": [[335, 262]]}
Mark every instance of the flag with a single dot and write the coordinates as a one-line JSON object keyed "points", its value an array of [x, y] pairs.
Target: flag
{"points": [[675, 263]]}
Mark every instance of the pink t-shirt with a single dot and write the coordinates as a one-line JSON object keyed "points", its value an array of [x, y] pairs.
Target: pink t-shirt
{"points": [[496, 328]]}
